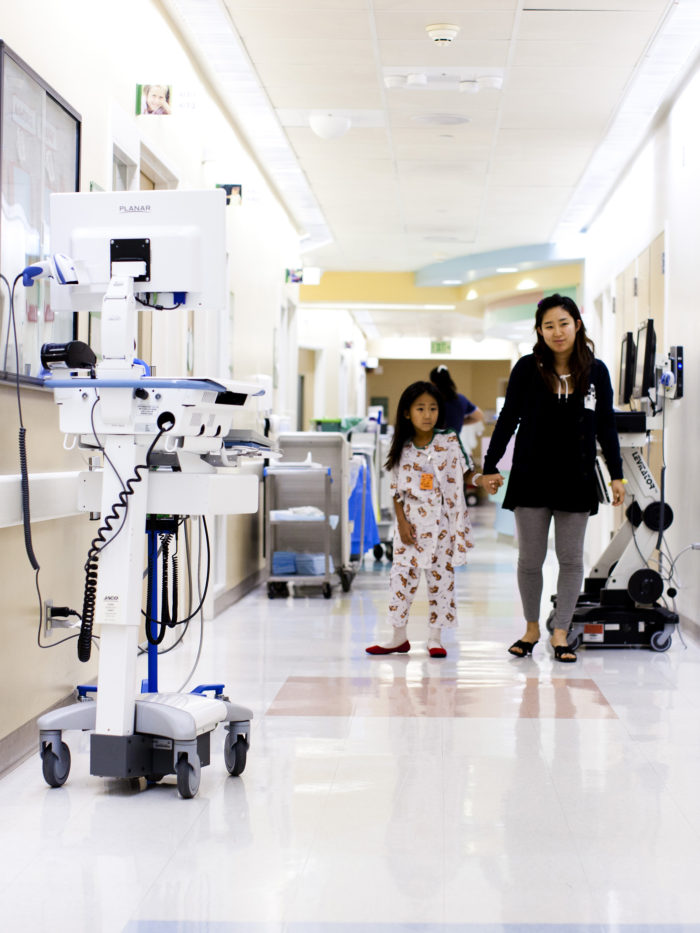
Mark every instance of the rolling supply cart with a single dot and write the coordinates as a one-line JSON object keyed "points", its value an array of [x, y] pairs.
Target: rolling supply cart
{"points": [[307, 519], [292, 530]]}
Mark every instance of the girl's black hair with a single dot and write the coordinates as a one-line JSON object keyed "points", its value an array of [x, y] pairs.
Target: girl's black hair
{"points": [[440, 376], [582, 354], [403, 429]]}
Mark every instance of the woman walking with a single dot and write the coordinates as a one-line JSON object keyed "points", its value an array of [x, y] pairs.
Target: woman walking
{"points": [[560, 399]]}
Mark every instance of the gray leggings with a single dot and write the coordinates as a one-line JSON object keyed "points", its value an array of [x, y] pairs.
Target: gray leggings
{"points": [[569, 531]]}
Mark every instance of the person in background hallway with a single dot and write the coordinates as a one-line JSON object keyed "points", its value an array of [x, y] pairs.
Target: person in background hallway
{"points": [[458, 409], [560, 399], [428, 467]]}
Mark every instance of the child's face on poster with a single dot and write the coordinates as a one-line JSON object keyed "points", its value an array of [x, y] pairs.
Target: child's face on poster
{"points": [[156, 99]]}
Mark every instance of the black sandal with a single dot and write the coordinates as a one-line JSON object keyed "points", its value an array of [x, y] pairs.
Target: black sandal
{"points": [[561, 650], [525, 648]]}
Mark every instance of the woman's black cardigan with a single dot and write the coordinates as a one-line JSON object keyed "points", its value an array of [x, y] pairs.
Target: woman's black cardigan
{"points": [[525, 407]]}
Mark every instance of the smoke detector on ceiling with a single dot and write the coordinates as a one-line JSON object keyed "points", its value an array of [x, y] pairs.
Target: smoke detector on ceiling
{"points": [[442, 33]]}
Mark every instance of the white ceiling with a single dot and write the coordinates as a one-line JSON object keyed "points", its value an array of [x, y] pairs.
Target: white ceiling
{"points": [[397, 193]]}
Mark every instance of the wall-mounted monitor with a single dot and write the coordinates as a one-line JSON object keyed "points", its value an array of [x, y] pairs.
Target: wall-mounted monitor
{"points": [[180, 235], [645, 369], [627, 369]]}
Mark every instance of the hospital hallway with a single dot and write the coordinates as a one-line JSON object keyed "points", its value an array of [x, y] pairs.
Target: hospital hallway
{"points": [[387, 794]]}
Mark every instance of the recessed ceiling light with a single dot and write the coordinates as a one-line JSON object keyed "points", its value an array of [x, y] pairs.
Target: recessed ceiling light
{"points": [[451, 281], [526, 284], [504, 269], [440, 119]]}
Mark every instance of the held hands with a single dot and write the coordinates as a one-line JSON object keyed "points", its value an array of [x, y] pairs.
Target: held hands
{"points": [[491, 482], [618, 491]]}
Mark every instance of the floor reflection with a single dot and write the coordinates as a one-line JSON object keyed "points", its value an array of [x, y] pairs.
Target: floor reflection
{"points": [[405, 694]]}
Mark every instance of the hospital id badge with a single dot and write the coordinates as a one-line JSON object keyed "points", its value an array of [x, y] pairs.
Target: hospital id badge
{"points": [[426, 481]]}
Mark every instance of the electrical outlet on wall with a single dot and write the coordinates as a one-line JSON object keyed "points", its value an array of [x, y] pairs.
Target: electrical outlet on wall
{"points": [[48, 606]]}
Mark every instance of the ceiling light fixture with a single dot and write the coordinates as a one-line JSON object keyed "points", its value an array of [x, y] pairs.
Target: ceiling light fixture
{"points": [[442, 33], [416, 80], [395, 80], [469, 87], [526, 284], [329, 125]]}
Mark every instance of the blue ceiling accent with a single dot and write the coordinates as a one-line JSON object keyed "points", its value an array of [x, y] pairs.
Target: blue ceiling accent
{"points": [[466, 269]]}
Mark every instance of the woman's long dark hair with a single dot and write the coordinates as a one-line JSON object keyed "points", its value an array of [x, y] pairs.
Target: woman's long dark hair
{"points": [[582, 354], [440, 376], [403, 429]]}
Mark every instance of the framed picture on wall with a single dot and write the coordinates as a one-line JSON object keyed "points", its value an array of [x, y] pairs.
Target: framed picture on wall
{"points": [[39, 154], [155, 99]]}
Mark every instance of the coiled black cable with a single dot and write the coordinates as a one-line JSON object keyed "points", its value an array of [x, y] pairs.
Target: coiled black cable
{"points": [[164, 597], [99, 543], [191, 615]]}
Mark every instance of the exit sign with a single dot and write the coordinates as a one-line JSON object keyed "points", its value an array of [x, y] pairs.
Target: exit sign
{"points": [[441, 346]]}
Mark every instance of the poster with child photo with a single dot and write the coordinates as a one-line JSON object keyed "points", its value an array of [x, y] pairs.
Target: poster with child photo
{"points": [[153, 98]]}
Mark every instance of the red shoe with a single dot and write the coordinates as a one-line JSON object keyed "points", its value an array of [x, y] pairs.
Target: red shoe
{"points": [[401, 649], [437, 652]]}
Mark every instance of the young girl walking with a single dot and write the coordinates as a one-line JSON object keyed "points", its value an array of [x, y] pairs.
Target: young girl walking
{"points": [[429, 468]]}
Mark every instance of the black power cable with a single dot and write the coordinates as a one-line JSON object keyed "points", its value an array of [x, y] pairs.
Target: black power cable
{"points": [[100, 542]]}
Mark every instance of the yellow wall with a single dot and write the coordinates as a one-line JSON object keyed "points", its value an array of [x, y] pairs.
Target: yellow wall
{"points": [[480, 380]]}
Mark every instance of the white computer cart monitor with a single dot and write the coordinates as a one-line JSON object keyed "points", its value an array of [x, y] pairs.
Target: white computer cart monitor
{"points": [[182, 234]]}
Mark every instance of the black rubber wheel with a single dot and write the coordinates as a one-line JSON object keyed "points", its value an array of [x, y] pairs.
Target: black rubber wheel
{"points": [[390, 552], [235, 753], [56, 767], [549, 623], [187, 779], [271, 591], [660, 641], [345, 580], [472, 499], [378, 551], [327, 591], [574, 641]]}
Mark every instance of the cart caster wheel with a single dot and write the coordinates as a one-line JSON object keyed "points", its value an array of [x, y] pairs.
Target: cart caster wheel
{"points": [[271, 591], [574, 642], [327, 591], [472, 499], [187, 779], [378, 551], [345, 580], [660, 641], [235, 753], [390, 552], [56, 767]]}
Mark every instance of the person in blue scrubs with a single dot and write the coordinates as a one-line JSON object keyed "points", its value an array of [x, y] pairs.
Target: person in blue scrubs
{"points": [[458, 409]]}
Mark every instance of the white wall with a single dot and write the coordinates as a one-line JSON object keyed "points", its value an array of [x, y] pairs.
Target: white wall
{"points": [[339, 382], [661, 193]]}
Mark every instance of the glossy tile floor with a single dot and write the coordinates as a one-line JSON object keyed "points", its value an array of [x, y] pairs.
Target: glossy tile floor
{"points": [[477, 793]]}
